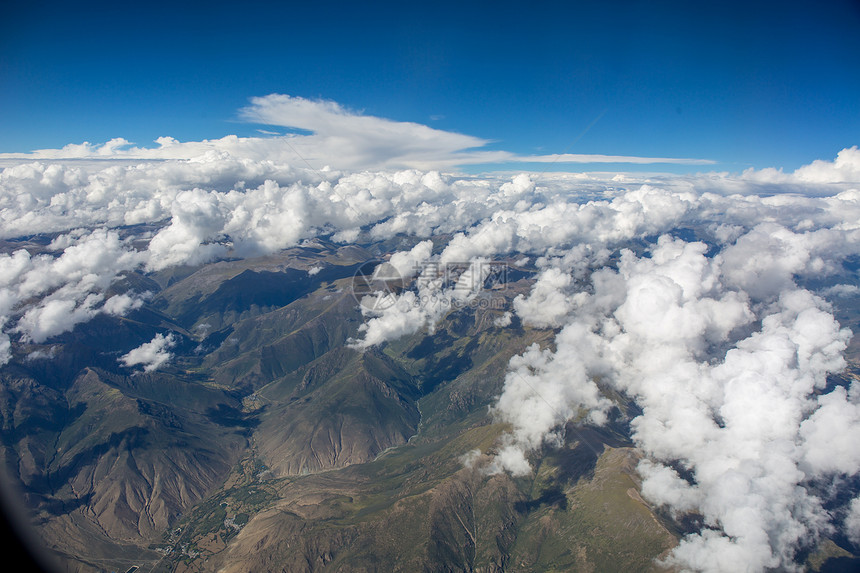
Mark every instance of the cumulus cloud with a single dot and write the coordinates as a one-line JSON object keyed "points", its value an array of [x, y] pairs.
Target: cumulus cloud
{"points": [[217, 205], [151, 355], [844, 169], [545, 389], [764, 261], [548, 303], [122, 304], [55, 316], [733, 405], [123, 152], [5, 348], [408, 263], [830, 434], [571, 236], [470, 458], [45, 295], [402, 316]]}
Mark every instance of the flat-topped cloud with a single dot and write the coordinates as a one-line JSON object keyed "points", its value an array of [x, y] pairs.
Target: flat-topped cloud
{"points": [[337, 138]]}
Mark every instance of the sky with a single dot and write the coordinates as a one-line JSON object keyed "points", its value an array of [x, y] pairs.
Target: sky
{"points": [[735, 84]]}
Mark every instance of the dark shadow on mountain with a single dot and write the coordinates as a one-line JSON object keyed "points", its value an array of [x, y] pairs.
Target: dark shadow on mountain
{"points": [[247, 289], [106, 331], [577, 462], [837, 494], [230, 417], [58, 507], [442, 364], [430, 345], [552, 496], [215, 339], [503, 275], [52, 418], [588, 443], [841, 565], [449, 369], [50, 482], [617, 430], [66, 364], [261, 289], [460, 323], [165, 415]]}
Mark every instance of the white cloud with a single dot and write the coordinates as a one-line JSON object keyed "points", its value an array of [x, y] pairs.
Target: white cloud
{"points": [[595, 158], [121, 304], [5, 348], [503, 320], [579, 234], [664, 486], [151, 355], [844, 169], [42, 354], [764, 261], [852, 521], [440, 288], [402, 316], [548, 302], [734, 411], [510, 458], [831, 434], [544, 389], [470, 458], [56, 315], [46, 295], [409, 263], [340, 138], [841, 290], [346, 139]]}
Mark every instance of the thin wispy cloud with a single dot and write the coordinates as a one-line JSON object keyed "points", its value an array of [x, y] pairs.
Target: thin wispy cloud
{"points": [[595, 158]]}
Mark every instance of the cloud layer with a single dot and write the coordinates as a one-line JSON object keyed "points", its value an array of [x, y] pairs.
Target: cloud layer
{"points": [[685, 294]]}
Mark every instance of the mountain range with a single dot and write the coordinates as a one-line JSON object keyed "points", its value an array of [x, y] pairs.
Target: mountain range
{"points": [[271, 443]]}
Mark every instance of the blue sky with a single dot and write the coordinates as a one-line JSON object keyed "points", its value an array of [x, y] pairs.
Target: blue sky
{"points": [[741, 83]]}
